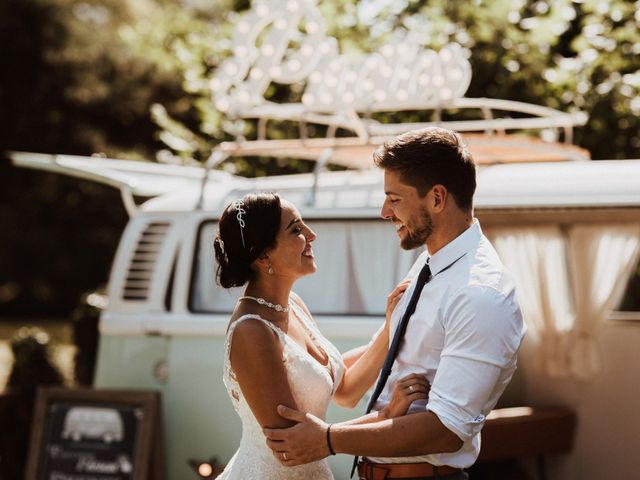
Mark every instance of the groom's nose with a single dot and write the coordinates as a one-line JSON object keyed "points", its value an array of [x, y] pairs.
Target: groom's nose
{"points": [[386, 211]]}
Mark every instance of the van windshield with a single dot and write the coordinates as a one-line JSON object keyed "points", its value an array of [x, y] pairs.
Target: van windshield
{"points": [[359, 264]]}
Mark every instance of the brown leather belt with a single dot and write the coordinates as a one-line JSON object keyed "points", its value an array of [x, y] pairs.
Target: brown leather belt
{"points": [[388, 471]]}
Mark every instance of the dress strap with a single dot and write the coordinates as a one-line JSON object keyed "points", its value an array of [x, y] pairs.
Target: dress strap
{"points": [[301, 314], [253, 316]]}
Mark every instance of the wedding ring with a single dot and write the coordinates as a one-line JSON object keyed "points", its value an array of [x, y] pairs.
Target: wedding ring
{"points": [[411, 388], [284, 455]]}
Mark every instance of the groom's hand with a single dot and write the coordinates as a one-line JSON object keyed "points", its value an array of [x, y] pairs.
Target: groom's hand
{"points": [[303, 443]]}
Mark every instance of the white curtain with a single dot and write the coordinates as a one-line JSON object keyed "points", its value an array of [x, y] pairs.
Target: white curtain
{"points": [[537, 259], [327, 290], [566, 283], [378, 262], [601, 260]]}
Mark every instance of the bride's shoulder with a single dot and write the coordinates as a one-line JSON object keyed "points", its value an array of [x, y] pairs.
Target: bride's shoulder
{"points": [[250, 338], [251, 327]]}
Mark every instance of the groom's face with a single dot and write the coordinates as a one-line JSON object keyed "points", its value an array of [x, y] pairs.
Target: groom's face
{"points": [[407, 210]]}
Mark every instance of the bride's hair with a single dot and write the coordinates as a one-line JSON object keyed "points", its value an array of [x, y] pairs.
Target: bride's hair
{"points": [[248, 227]]}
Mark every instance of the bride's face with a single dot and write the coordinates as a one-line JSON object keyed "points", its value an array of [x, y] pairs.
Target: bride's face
{"points": [[293, 255]]}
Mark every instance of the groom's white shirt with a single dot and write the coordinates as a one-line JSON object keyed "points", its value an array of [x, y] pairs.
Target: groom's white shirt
{"points": [[464, 335]]}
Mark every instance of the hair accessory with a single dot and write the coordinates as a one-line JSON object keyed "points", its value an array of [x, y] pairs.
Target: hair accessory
{"points": [[262, 301], [240, 211]]}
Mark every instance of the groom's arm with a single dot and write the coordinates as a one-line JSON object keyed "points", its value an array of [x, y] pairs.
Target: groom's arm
{"points": [[364, 419], [417, 434]]}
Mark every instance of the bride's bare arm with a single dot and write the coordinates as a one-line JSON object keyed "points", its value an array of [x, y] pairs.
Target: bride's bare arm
{"points": [[352, 356], [256, 359], [360, 375]]}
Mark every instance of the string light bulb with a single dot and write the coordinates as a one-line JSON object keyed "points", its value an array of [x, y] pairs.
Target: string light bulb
{"points": [[401, 73], [205, 468]]}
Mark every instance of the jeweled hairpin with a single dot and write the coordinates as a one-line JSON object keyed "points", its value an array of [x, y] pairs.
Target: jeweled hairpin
{"points": [[238, 205]]}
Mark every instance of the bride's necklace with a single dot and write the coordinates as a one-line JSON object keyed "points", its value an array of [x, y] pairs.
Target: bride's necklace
{"points": [[262, 301]]}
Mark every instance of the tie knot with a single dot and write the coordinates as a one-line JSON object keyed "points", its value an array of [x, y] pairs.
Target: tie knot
{"points": [[425, 274]]}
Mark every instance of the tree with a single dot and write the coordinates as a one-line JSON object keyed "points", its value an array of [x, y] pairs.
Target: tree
{"points": [[69, 83]]}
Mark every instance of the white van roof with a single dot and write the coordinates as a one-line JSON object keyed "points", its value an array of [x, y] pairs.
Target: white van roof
{"points": [[509, 186], [557, 184]]}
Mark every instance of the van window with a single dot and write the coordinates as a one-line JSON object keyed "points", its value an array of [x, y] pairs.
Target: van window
{"points": [[359, 264]]}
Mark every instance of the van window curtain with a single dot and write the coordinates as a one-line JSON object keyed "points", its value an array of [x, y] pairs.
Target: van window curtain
{"points": [[537, 259], [329, 289], [567, 281], [601, 260], [379, 263]]}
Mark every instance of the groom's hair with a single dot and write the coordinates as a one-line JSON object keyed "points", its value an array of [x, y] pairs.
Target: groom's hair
{"points": [[428, 157]]}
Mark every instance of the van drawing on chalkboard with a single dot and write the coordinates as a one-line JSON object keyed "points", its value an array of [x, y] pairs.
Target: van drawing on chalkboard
{"points": [[95, 423], [125, 464]]}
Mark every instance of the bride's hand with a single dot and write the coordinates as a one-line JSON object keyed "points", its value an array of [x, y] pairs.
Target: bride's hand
{"points": [[406, 391], [394, 297]]}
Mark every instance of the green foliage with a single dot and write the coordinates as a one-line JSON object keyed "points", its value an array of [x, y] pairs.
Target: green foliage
{"points": [[71, 84], [32, 364], [84, 321], [564, 54]]}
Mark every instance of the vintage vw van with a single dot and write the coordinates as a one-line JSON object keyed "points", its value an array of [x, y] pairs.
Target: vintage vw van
{"points": [[166, 318], [100, 423]]}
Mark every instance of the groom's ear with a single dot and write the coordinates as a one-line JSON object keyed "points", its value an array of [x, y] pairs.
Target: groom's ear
{"points": [[439, 197]]}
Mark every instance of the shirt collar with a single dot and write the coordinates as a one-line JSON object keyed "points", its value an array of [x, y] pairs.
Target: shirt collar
{"points": [[456, 248]]}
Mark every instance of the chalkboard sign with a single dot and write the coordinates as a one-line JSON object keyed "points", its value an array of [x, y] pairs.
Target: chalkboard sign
{"points": [[87, 434]]}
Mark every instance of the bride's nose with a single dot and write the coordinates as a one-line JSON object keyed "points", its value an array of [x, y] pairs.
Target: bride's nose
{"points": [[311, 236]]}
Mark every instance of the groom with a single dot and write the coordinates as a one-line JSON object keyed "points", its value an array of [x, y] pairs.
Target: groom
{"points": [[458, 323]]}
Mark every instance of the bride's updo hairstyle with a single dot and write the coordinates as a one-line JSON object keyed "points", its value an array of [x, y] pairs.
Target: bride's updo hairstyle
{"points": [[248, 227]]}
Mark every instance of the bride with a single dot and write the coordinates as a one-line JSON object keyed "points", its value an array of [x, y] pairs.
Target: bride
{"points": [[274, 352]]}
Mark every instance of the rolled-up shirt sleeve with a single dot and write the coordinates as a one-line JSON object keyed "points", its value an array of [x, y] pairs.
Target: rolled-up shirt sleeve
{"points": [[481, 341]]}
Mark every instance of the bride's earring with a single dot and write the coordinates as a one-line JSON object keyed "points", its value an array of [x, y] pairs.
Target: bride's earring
{"points": [[270, 270]]}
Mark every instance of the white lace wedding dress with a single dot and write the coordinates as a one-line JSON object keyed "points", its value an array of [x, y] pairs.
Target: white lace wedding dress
{"points": [[312, 386]]}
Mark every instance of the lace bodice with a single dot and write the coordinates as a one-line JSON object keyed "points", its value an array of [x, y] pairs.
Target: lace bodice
{"points": [[312, 386]]}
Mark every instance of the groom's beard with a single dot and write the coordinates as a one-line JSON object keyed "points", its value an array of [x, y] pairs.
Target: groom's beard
{"points": [[418, 230]]}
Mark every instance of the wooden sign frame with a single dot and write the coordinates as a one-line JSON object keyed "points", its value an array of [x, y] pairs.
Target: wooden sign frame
{"points": [[147, 459]]}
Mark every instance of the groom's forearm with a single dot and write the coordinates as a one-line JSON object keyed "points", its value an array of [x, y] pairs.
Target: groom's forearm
{"points": [[411, 435], [368, 418]]}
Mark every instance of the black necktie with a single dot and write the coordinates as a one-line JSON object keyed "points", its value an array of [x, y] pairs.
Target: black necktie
{"points": [[423, 277]]}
